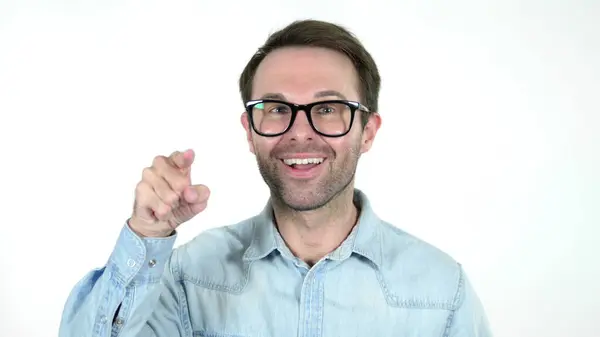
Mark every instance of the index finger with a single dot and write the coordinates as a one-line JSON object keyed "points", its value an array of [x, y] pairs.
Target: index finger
{"points": [[182, 160]]}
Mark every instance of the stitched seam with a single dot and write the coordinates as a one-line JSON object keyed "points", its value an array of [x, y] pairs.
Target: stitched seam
{"points": [[455, 303], [235, 289], [394, 301], [212, 334]]}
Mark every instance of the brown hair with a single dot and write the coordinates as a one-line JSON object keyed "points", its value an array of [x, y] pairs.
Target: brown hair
{"points": [[315, 33]]}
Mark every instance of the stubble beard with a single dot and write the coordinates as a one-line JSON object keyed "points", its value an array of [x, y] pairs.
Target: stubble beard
{"points": [[314, 194]]}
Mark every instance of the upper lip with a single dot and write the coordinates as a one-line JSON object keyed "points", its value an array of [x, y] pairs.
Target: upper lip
{"points": [[301, 156]]}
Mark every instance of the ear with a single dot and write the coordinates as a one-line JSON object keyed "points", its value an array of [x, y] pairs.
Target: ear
{"points": [[244, 118], [370, 131]]}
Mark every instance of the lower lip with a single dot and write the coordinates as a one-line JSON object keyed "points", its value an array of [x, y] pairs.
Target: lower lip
{"points": [[302, 173]]}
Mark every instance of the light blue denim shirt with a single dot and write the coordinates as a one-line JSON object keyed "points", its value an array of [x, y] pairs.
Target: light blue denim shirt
{"points": [[242, 280]]}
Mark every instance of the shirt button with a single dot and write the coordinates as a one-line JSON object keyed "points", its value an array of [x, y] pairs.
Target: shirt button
{"points": [[130, 263], [152, 263], [119, 321]]}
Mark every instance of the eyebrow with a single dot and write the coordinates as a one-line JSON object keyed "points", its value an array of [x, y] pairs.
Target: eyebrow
{"points": [[270, 95], [328, 93], [320, 94]]}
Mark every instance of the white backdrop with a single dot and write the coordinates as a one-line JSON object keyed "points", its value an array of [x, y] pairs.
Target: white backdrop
{"points": [[489, 147]]}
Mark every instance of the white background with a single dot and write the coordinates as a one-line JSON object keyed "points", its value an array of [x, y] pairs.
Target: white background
{"points": [[489, 147]]}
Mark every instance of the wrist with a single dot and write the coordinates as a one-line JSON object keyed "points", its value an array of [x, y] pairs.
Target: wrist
{"points": [[136, 227]]}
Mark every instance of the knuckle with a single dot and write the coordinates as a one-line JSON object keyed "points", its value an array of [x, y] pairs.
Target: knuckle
{"points": [[180, 185], [143, 194], [141, 188], [162, 211], [158, 161], [172, 199], [176, 182], [147, 173]]}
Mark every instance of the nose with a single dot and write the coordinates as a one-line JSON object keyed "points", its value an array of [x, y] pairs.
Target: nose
{"points": [[301, 129]]}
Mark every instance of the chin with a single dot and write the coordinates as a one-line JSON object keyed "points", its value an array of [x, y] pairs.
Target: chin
{"points": [[306, 198], [303, 203]]}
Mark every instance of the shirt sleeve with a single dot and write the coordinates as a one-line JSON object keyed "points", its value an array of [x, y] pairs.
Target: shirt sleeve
{"points": [[469, 319], [126, 289]]}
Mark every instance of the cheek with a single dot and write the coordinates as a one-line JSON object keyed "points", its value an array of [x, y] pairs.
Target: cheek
{"points": [[262, 146], [354, 140], [345, 147]]}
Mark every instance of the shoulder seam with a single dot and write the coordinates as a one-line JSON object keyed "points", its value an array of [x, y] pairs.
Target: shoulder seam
{"points": [[457, 302]]}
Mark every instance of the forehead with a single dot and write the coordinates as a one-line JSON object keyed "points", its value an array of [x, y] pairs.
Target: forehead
{"points": [[298, 73]]}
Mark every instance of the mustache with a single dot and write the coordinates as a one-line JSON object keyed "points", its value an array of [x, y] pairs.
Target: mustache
{"points": [[286, 150]]}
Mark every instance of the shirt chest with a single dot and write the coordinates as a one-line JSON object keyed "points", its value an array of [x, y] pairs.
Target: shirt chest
{"points": [[280, 298]]}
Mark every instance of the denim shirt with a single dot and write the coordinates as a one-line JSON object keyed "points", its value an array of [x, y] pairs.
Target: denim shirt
{"points": [[242, 280]]}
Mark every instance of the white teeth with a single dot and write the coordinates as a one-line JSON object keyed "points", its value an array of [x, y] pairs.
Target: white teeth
{"points": [[302, 161]]}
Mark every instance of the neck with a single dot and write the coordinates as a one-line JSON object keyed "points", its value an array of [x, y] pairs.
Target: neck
{"points": [[310, 235]]}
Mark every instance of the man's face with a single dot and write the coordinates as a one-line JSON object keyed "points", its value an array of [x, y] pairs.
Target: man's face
{"points": [[301, 75]]}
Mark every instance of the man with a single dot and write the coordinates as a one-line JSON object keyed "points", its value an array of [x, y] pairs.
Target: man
{"points": [[317, 261]]}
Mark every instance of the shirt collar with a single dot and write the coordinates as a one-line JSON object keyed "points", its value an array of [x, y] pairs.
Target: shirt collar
{"points": [[364, 239]]}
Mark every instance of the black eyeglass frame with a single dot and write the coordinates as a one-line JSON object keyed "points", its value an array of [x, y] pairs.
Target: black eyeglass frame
{"points": [[353, 105]]}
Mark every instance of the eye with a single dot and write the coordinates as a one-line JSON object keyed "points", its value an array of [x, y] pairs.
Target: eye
{"points": [[279, 109], [325, 109], [272, 108]]}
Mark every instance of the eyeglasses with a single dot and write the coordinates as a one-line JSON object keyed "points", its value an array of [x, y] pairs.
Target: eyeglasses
{"points": [[332, 118]]}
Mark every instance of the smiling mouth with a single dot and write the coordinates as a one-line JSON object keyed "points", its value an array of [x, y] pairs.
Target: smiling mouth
{"points": [[303, 163]]}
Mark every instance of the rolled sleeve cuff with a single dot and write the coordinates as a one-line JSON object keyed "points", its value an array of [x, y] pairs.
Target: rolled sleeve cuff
{"points": [[140, 260]]}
